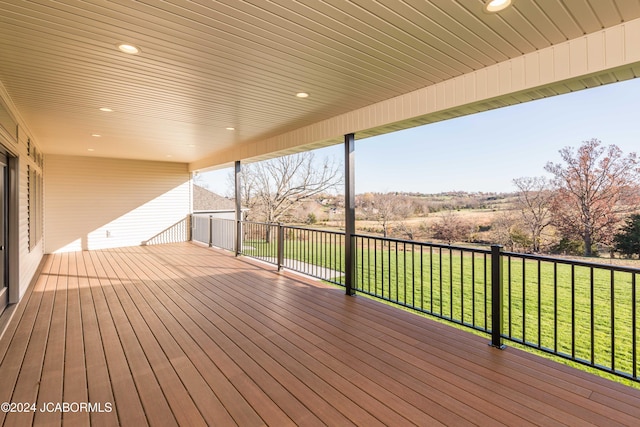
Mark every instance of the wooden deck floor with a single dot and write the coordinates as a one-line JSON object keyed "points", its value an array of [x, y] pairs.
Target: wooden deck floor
{"points": [[185, 335]]}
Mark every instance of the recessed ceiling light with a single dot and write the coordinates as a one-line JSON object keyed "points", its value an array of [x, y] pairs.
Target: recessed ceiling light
{"points": [[169, 155], [106, 109], [191, 145], [302, 95], [128, 48], [90, 149], [96, 135], [497, 5], [230, 128]]}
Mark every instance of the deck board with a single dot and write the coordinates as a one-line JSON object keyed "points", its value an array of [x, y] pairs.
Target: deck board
{"points": [[99, 387], [180, 334], [125, 393], [75, 369]]}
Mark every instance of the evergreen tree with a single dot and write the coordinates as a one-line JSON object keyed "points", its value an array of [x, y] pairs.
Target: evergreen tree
{"points": [[627, 241]]}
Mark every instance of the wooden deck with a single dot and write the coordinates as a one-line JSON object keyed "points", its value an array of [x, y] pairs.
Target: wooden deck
{"points": [[185, 335]]}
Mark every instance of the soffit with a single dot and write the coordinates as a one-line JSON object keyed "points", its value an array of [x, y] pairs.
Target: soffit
{"points": [[207, 65]]}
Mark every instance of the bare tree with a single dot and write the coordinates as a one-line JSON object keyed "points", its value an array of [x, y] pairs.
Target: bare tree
{"points": [[272, 188], [384, 209], [501, 228], [198, 180], [451, 228], [534, 199], [595, 186]]}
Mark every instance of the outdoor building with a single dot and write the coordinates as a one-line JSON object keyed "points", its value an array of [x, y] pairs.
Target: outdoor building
{"points": [[209, 202], [108, 108]]}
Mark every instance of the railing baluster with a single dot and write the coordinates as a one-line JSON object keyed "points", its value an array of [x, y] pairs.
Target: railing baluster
{"points": [[496, 296], [431, 279], [413, 278], [473, 289], [375, 265], [486, 311], [421, 278], [461, 286], [404, 260], [389, 268], [440, 295], [539, 305], [397, 272], [509, 294], [613, 321], [450, 283], [573, 312], [555, 307], [524, 302], [593, 313], [634, 329]]}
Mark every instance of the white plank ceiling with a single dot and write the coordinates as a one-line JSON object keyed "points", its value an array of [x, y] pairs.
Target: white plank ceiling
{"points": [[208, 65]]}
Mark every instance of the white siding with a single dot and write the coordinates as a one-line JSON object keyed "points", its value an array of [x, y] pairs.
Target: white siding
{"points": [[93, 203], [28, 258]]}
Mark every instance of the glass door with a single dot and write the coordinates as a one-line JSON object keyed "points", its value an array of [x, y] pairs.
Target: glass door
{"points": [[4, 291]]}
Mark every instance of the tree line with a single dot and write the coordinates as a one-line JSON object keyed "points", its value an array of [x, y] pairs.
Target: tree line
{"points": [[591, 193], [591, 201]]}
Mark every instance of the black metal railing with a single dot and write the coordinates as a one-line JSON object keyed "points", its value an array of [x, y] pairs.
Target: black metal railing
{"points": [[260, 241], [316, 253], [584, 312], [452, 283]]}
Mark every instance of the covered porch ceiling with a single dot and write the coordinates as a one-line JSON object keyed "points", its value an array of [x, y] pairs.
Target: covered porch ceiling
{"points": [[369, 67]]}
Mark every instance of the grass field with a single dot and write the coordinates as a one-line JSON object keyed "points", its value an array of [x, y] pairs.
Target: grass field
{"points": [[582, 312]]}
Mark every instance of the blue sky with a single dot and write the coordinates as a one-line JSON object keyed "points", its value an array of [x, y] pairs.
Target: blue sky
{"points": [[486, 151]]}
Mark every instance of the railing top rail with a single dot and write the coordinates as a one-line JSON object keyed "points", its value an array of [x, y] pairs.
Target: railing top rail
{"points": [[534, 257], [579, 263], [429, 244], [320, 230], [208, 214], [271, 224]]}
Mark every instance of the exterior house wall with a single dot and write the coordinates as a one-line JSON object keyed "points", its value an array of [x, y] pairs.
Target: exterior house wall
{"points": [[93, 203], [29, 255], [16, 140]]}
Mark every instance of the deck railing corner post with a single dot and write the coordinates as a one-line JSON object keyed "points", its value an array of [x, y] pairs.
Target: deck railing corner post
{"points": [[496, 297], [238, 208], [210, 230], [280, 246], [349, 214], [238, 238]]}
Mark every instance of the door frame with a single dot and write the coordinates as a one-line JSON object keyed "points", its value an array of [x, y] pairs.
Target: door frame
{"points": [[12, 239], [12, 223]]}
